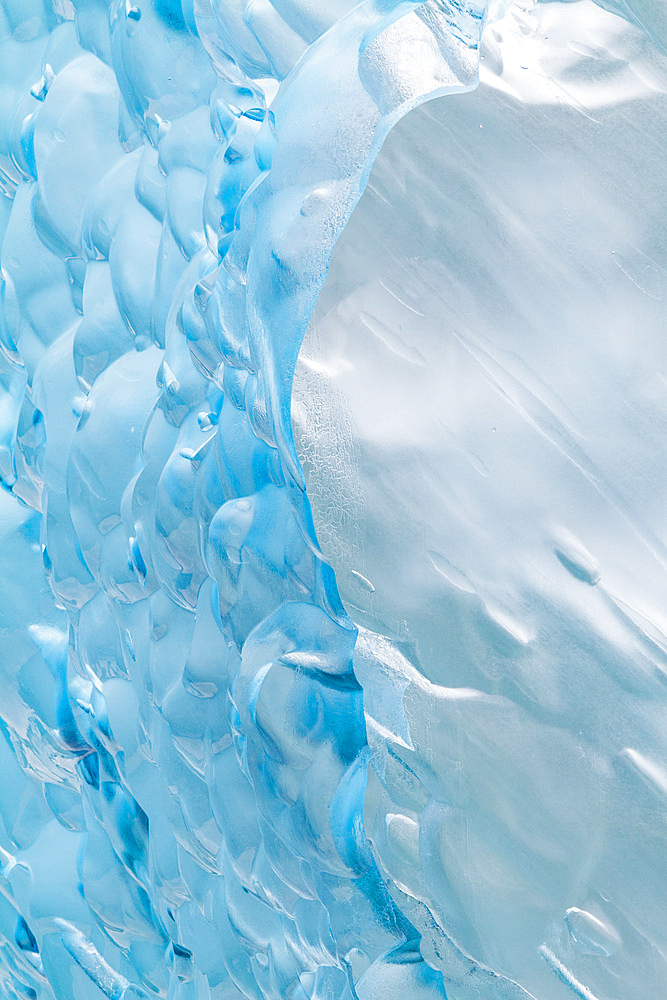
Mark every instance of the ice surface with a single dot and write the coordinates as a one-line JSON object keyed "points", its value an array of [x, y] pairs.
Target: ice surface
{"points": [[354, 691]]}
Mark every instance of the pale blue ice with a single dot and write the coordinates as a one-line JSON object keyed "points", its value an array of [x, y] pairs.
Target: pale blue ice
{"points": [[333, 627]]}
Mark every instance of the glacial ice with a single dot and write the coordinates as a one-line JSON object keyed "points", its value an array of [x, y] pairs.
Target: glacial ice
{"points": [[346, 684]]}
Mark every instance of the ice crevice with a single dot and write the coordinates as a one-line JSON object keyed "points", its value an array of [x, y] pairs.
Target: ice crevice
{"points": [[223, 773]]}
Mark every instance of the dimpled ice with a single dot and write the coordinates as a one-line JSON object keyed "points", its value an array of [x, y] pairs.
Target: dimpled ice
{"points": [[224, 773]]}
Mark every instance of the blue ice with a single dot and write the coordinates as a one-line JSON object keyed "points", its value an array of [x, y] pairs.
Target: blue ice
{"points": [[333, 641]]}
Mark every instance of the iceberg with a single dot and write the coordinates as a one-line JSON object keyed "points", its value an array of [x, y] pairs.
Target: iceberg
{"points": [[332, 428]]}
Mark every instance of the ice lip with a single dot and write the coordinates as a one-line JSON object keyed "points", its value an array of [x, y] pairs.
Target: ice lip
{"points": [[220, 777]]}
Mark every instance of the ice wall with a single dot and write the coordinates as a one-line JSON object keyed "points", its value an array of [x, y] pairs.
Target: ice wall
{"points": [[189, 719], [480, 410]]}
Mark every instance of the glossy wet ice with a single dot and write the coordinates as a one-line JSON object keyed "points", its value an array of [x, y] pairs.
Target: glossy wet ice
{"points": [[218, 779]]}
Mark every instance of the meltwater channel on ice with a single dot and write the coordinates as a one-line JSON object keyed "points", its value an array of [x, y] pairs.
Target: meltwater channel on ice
{"points": [[333, 521]]}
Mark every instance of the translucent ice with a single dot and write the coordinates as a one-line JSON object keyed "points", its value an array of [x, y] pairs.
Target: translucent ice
{"points": [[352, 688]]}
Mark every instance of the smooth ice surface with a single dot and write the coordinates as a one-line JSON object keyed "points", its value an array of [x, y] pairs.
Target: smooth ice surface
{"points": [[481, 412], [374, 709]]}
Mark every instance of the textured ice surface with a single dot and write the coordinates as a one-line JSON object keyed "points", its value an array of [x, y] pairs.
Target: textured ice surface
{"points": [[427, 758], [480, 406]]}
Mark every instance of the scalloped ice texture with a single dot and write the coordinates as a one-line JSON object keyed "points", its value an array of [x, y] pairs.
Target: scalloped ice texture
{"points": [[189, 714]]}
